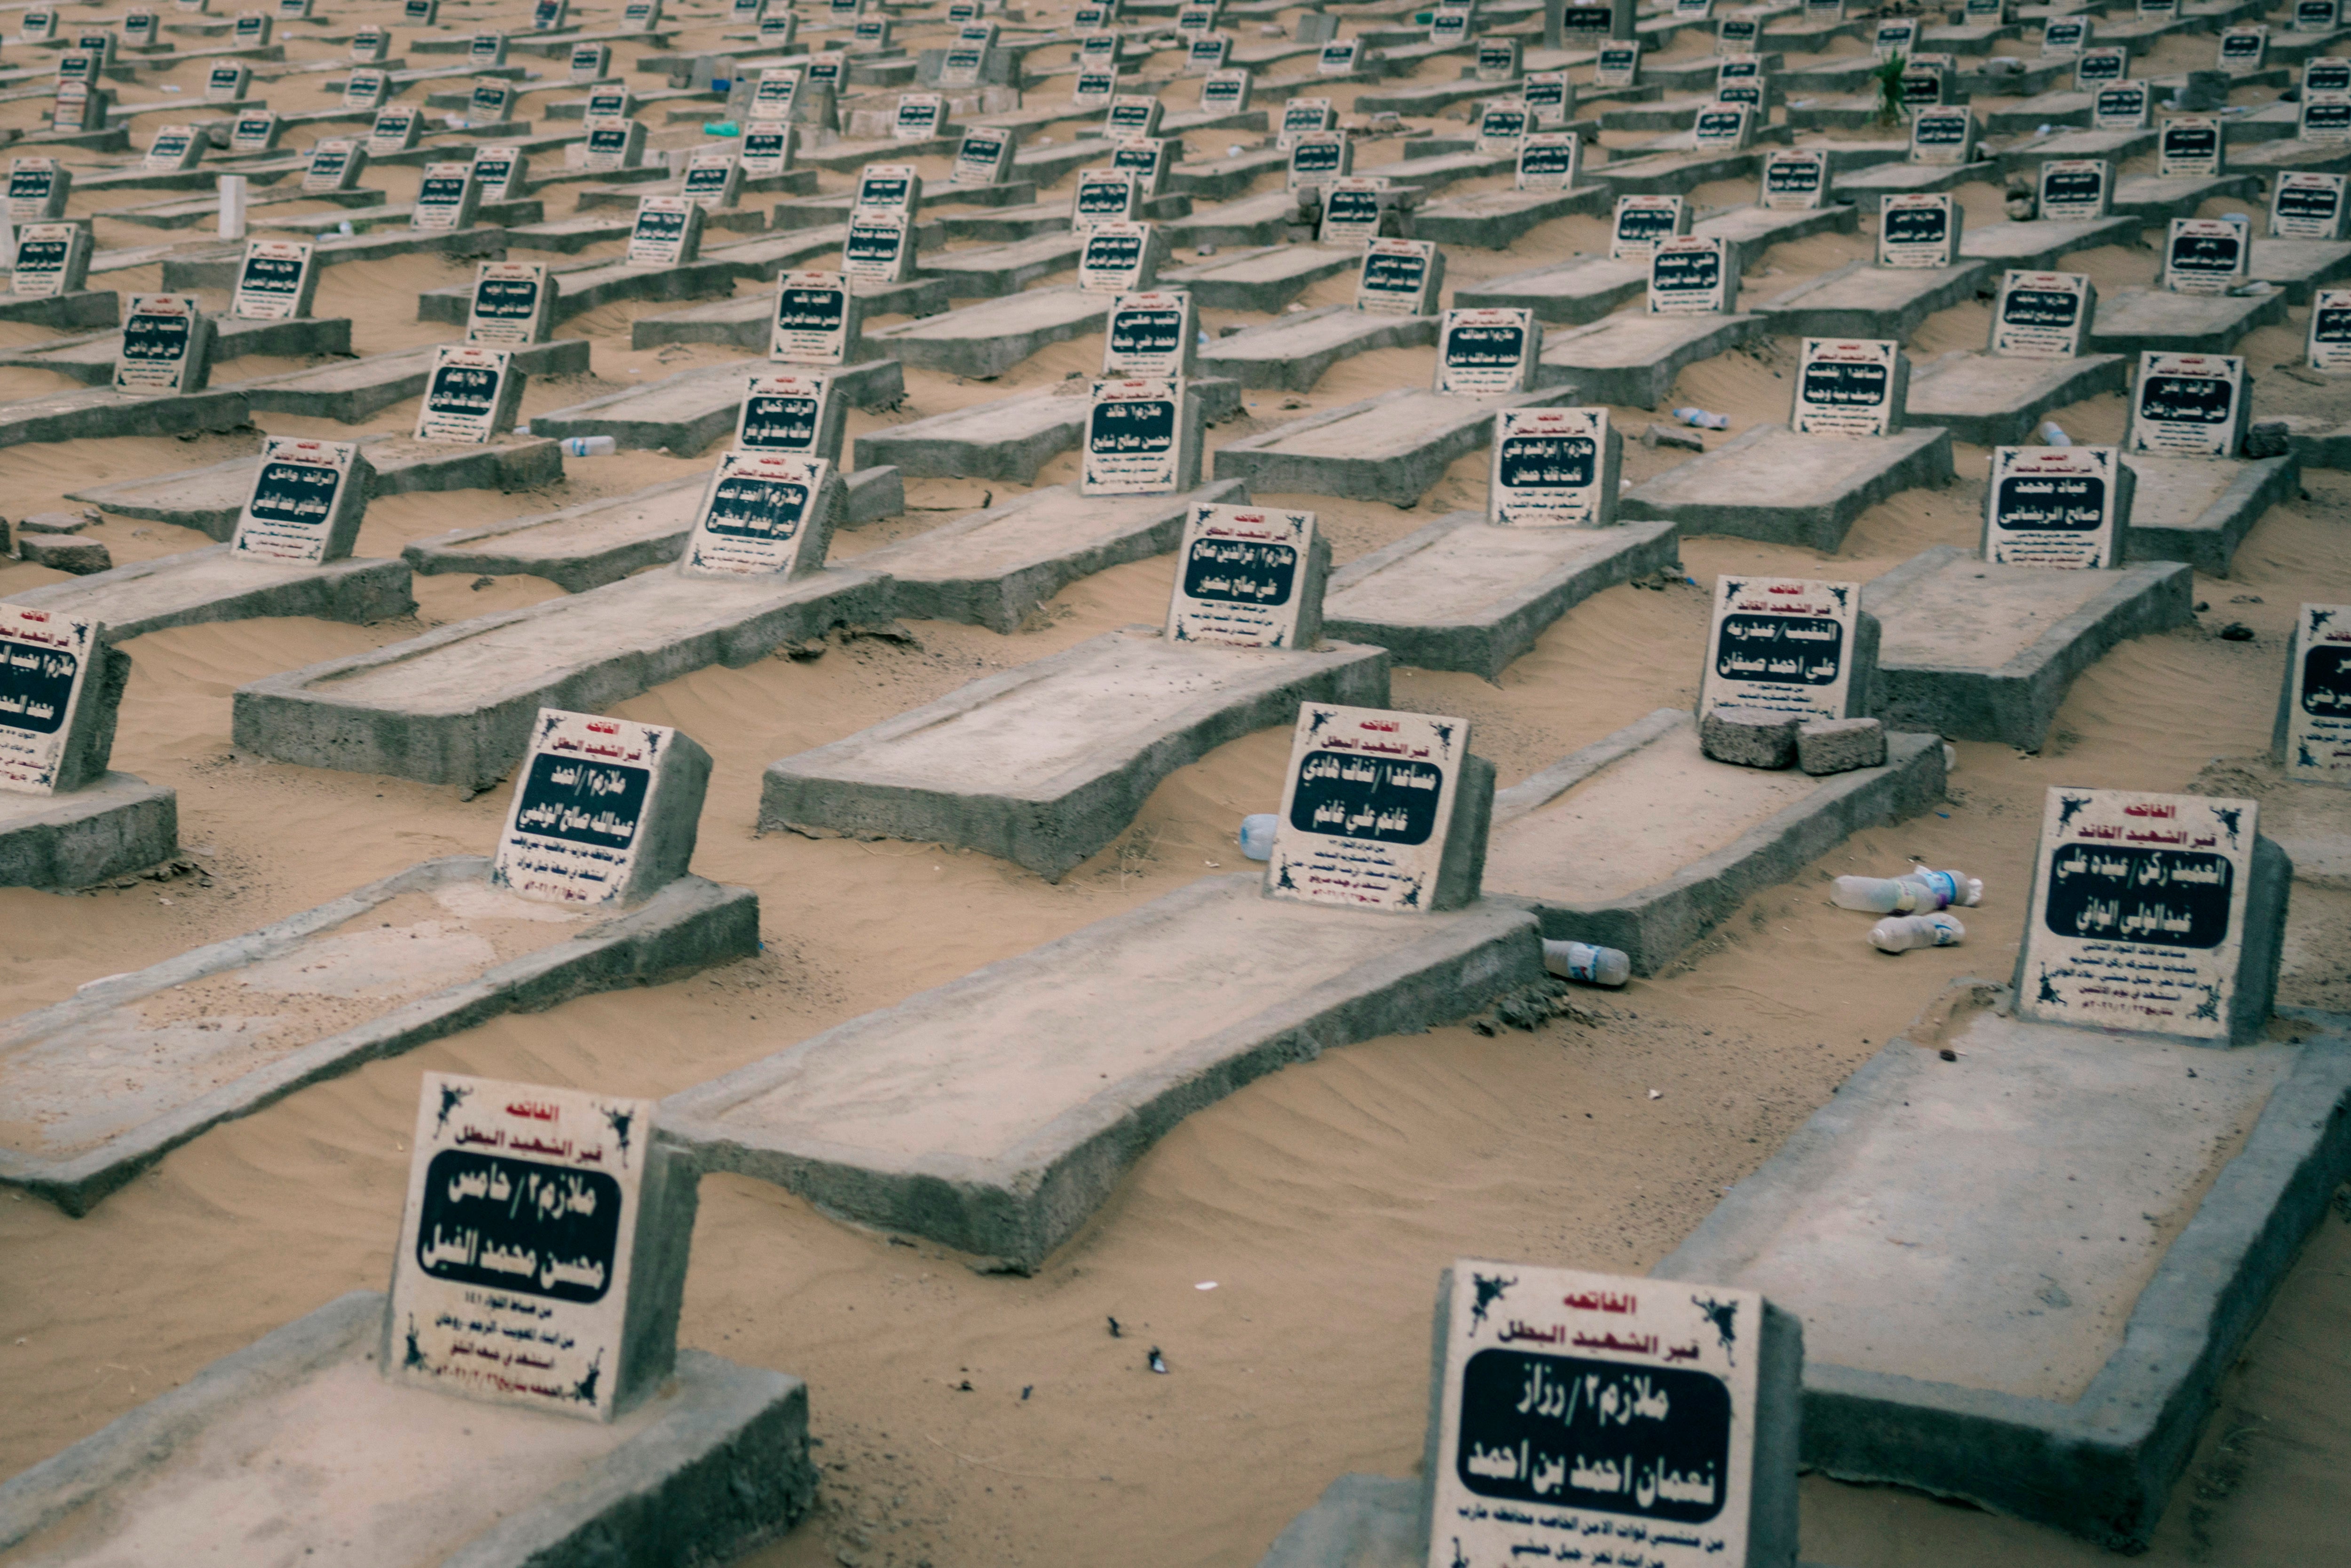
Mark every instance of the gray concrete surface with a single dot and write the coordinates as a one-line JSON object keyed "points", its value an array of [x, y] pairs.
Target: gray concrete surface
{"points": [[1263, 279], [2040, 245], [1748, 736], [2000, 401], [1866, 188], [350, 391], [1632, 359], [1461, 595], [995, 1112], [1859, 300], [1826, 745], [1010, 438], [257, 1455], [1493, 220], [1978, 652], [1389, 448], [1770, 483], [1562, 293], [114, 1079], [1292, 352], [2132, 321], [2299, 267], [1046, 763], [680, 415], [1640, 842], [209, 584], [985, 340], [109, 828], [65, 312], [97, 412], [2199, 509], [210, 499]]}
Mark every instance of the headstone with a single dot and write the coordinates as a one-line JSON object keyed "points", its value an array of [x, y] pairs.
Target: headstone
{"points": [[1554, 467], [78, 65], [2190, 405], [819, 322], [1093, 90], [2062, 37], [140, 29], [1141, 438], [1739, 79], [2314, 724], [396, 130], [641, 16], [2094, 69], [2122, 107], [1642, 224], [1548, 161], [2190, 146], [879, 248], [1098, 51], [1848, 386], [1497, 59], [255, 130], [1691, 275], [1381, 811], [1916, 228], [2138, 913], [251, 30], [613, 145], [1132, 114], [446, 198], [1502, 125], [1208, 53], [1945, 135], [492, 101], [1575, 1406], [1618, 64], [1226, 92], [888, 188], [1795, 180], [984, 159], [790, 411], [306, 504], [1400, 277], [713, 179], [2244, 50], [513, 303], [166, 346], [367, 90], [1353, 209], [667, 232], [2042, 315], [420, 13], [2330, 329], [1926, 81], [778, 91], [1319, 157], [58, 700], [1340, 56], [471, 396], [920, 116], [1693, 10], [828, 71], [275, 282], [2206, 255], [591, 62], [2304, 205], [2330, 74], [1449, 29], [1737, 35], [1118, 258], [1149, 159], [38, 190], [80, 106], [1588, 24], [2076, 188], [335, 164], [485, 51], [870, 35], [1790, 645], [1150, 336], [1196, 19], [175, 147], [294, 10], [370, 45], [1895, 35], [500, 172], [778, 30], [2057, 507], [1488, 352], [2316, 15], [37, 25], [764, 513], [960, 66], [767, 148], [227, 81], [1549, 98], [1304, 117], [1249, 577], [52, 258], [1721, 127]]}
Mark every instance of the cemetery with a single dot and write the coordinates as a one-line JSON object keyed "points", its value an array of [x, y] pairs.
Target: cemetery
{"points": [[893, 782]]}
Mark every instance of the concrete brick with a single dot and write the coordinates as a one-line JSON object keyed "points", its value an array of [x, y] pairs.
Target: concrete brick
{"points": [[1748, 736], [117, 825], [80, 556], [1826, 745]]}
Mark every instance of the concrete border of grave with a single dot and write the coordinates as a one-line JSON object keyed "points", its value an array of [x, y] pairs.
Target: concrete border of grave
{"points": [[1454, 426], [1723, 491], [2102, 1466], [687, 925], [1655, 924]]}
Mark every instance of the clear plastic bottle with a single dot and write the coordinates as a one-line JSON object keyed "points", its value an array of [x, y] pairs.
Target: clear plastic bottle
{"points": [[1918, 889], [1257, 835], [589, 447], [1900, 933], [1702, 419], [2054, 434], [1595, 966]]}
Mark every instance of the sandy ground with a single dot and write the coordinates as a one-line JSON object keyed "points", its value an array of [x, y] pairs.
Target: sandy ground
{"points": [[970, 1419]]}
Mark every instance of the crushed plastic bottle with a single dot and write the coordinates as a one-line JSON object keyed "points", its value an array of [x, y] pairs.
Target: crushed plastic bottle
{"points": [[2054, 434], [1702, 419], [589, 447], [1257, 835], [1917, 889], [1594, 965], [1900, 933]]}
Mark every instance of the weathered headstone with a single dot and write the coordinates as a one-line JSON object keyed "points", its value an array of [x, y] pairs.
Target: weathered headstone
{"points": [[1693, 275], [818, 320], [1722, 126], [1149, 335], [471, 396], [1381, 811], [306, 504], [492, 101], [667, 232], [1227, 91], [166, 346], [251, 29], [1141, 438], [777, 94], [1549, 98], [275, 281], [1304, 117], [335, 164], [1944, 135], [2057, 507], [2125, 106], [2313, 737], [51, 260], [1642, 224], [920, 117], [2066, 36], [2325, 120], [2042, 315], [1917, 228], [255, 130], [1488, 352], [1848, 386], [1790, 646], [396, 130], [2190, 146], [2305, 206], [38, 190], [2315, 15], [2149, 913], [1339, 58], [1617, 64], [513, 303], [2190, 405], [613, 144], [791, 412], [1104, 196], [1794, 180], [175, 148], [870, 35], [1206, 53], [2206, 255], [448, 198], [1548, 161], [778, 30], [1150, 159], [60, 687], [1249, 577], [485, 51], [367, 90], [591, 62], [1497, 59], [80, 106], [767, 148], [2094, 69], [2076, 188], [1118, 258], [1501, 125], [1093, 90], [879, 248], [2244, 50], [415, 12], [1352, 208], [1400, 277], [764, 513], [713, 179], [2330, 330], [984, 158], [2329, 73], [227, 81], [1554, 467]]}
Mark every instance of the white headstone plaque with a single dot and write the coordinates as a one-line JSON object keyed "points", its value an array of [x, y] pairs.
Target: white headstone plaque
{"points": [[471, 396], [1367, 808], [2188, 405], [2042, 315], [1548, 161], [767, 148], [51, 260], [336, 165], [2122, 107], [1141, 438], [1847, 386], [1554, 467], [1918, 229], [396, 130], [2094, 69], [818, 319], [37, 189], [612, 144], [1226, 92], [485, 51], [1400, 277], [446, 198], [920, 117], [1617, 65], [984, 159], [513, 303], [367, 90], [492, 101], [2325, 118], [880, 248], [1642, 224], [1150, 336], [1351, 209], [2206, 255], [1489, 351], [166, 346], [54, 727], [713, 179], [1549, 98], [175, 148], [1118, 258], [1206, 53], [1794, 180], [255, 130], [1721, 127], [591, 62], [764, 513], [1692, 274], [1304, 116], [1104, 196], [275, 282], [2062, 37], [667, 232], [2057, 507], [1249, 577], [2190, 146], [2330, 330], [792, 411], [1501, 125], [1943, 135], [2313, 727], [2244, 50], [1148, 158], [2076, 188], [306, 502], [777, 91], [1788, 644], [1092, 89], [2306, 205], [2326, 74]]}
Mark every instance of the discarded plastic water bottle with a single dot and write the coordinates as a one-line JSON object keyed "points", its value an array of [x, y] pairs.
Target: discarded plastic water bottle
{"points": [[1918, 889], [1257, 835], [1594, 965], [1702, 419], [589, 447], [2054, 434], [1900, 933], [344, 227]]}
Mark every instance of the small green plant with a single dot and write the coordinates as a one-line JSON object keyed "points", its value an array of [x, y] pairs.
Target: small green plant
{"points": [[1888, 78]]}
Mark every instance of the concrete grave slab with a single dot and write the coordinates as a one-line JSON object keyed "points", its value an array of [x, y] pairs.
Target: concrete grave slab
{"points": [[1493, 220], [1460, 594], [208, 499], [749, 322], [1293, 351], [2298, 267], [985, 340], [117, 1077], [994, 271], [1045, 764], [994, 566], [1261, 280], [1566, 293], [1631, 359], [2156, 199], [96, 412], [2003, 1358], [211, 585], [2199, 509], [1094, 1046], [1992, 401], [1260, 220], [2036, 246], [90, 360], [1772, 483], [680, 415], [1390, 448], [1756, 229], [1010, 438], [350, 391], [2268, 159], [1866, 188], [118, 824], [2132, 321], [2119, 146], [1672, 173], [713, 1464], [1860, 300], [1592, 846], [1973, 650], [63, 312]]}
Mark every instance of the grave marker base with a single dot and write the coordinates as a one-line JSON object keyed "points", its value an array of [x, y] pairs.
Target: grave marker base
{"points": [[1029, 1142], [90, 360], [1772, 483], [98, 412], [2299, 266], [1992, 401], [1261, 280], [713, 1464], [1866, 188], [117, 825], [985, 340], [1388, 448], [1973, 650], [2038, 245], [1570, 293], [207, 585]]}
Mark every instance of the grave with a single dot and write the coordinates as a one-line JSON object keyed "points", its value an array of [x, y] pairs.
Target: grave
{"points": [[2032, 366], [1396, 290], [65, 819], [45, 278], [1942, 156], [1862, 300], [1631, 359], [1847, 446], [1543, 187], [2152, 935], [290, 555], [1389, 448], [2195, 497], [2135, 321], [350, 391], [1678, 1417], [1261, 279], [455, 704], [1474, 589], [1099, 1043], [1241, 649]]}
